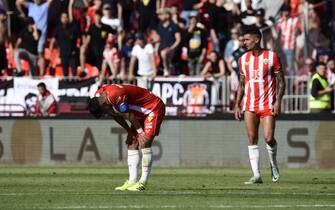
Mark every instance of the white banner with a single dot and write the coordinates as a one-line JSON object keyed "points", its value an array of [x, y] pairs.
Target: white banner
{"points": [[25, 86]]}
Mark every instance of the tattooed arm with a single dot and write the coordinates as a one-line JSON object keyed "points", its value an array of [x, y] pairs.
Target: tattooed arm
{"points": [[240, 93], [280, 92]]}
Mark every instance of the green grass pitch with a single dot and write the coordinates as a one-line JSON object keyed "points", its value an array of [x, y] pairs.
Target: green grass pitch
{"points": [[87, 187]]}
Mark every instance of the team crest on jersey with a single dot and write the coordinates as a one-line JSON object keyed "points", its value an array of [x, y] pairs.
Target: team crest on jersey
{"points": [[246, 63], [266, 61], [150, 117]]}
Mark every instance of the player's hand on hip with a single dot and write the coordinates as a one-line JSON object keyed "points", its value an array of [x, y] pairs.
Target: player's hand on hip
{"points": [[238, 113], [276, 109]]}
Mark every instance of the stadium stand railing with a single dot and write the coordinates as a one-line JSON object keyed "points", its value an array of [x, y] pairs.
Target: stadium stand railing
{"points": [[217, 98]]}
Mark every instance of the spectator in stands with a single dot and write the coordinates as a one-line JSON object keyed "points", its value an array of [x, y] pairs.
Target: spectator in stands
{"points": [[289, 28], [77, 12], [46, 105], [26, 47], [147, 14], [322, 55], [303, 74], [66, 35], [175, 17], [109, 19], [320, 91], [232, 44], [248, 17], [308, 69], [241, 5], [143, 52], [232, 61], [219, 25], [295, 6], [171, 3], [267, 40], [97, 4], [126, 10], [116, 8], [38, 10], [111, 58], [215, 66], [114, 22], [196, 44], [94, 43], [3, 39], [169, 40], [331, 71], [190, 8], [331, 80], [126, 55]]}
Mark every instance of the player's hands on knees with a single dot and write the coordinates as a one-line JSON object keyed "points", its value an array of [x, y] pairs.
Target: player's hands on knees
{"points": [[142, 139], [238, 112], [276, 109]]}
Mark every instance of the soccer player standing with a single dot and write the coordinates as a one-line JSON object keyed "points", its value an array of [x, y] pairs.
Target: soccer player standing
{"points": [[260, 73], [145, 112]]}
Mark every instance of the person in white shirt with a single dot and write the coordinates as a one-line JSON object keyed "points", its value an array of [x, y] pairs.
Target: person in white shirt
{"points": [[114, 23], [143, 52]]}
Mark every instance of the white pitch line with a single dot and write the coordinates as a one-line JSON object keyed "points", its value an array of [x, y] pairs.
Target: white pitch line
{"points": [[162, 193], [176, 206], [274, 206], [118, 207]]}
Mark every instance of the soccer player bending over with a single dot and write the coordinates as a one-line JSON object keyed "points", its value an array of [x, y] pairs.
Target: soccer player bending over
{"points": [[145, 112], [260, 72]]}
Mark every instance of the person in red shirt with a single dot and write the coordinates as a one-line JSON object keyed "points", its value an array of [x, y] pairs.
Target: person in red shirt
{"points": [[260, 71], [145, 112], [46, 104]]}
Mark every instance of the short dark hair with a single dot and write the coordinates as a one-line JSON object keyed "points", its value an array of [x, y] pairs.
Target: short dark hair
{"points": [[94, 107], [30, 21], [98, 12], [321, 64], [42, 85], [253, 31]]}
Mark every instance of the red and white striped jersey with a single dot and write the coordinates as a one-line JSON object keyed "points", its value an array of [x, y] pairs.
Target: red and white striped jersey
{"points": [[46, 104], [138, 100], [289, 29], [260, 81]]}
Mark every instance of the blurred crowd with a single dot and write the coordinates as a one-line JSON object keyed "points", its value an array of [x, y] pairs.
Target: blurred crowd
{"points": [[125, 39]]}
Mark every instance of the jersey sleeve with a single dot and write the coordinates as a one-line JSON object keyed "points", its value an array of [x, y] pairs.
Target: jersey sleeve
{"points": [[98, 92], [118, 98], [276, 63]]}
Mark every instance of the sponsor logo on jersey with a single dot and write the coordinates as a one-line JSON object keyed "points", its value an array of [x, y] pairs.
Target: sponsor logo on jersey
{"points": [[151, 116]]}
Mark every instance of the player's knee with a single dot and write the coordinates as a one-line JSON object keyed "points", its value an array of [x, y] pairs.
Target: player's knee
{"points": [[270, 140], [252, 136], [133, 146], [147, 143]]}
